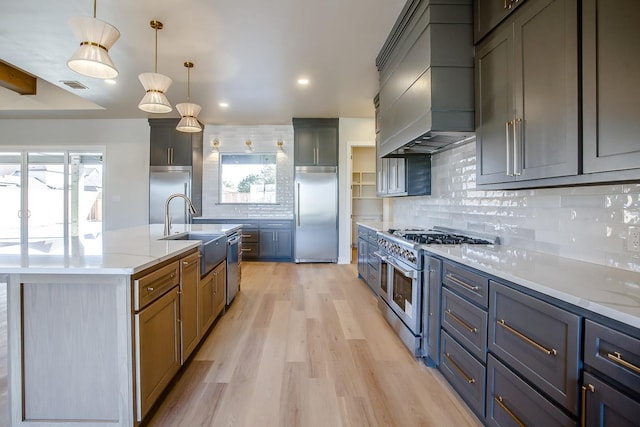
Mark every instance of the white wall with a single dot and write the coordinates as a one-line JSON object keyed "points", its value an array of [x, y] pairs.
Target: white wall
{"points": [[126, 191], [584, 223], [352, 132]]}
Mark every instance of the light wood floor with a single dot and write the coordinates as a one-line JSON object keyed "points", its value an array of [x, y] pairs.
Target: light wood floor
{"points": [[304, 345]]}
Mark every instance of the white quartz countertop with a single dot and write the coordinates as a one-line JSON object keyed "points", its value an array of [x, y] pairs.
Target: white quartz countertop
{"points": [[126, 251], [610, 292]]}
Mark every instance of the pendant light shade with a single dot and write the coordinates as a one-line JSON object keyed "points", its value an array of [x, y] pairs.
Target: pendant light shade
{"points": [[96, 38], [188, 110], [155, 101], [155, 84]]}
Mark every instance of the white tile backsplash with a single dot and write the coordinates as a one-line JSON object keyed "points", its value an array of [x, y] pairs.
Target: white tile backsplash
{"points": [[585, 223], [232, 140]]}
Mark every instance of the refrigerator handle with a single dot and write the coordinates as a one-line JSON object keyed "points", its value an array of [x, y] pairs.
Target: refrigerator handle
{"points": [[298, 198]]}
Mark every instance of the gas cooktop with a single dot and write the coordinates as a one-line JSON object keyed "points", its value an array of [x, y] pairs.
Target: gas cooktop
{"points": [[444, 236]]}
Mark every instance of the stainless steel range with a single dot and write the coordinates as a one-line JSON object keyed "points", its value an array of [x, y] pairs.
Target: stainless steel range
{"points": [[404, 283]]}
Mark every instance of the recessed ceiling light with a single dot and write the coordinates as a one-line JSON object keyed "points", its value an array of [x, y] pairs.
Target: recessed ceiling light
{"points": [[110, 81], [223, 105], [303, 81]]}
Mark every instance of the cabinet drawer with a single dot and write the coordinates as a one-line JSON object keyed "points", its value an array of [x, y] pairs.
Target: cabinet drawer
{"points": [[613, 353], [511, 401], [363, 232], [153, 285], [467, 283], [606, 406], [373, 237], [275, 224], [465, 322], [464, 372], [250, 235], [250, 250], [538, 340]]}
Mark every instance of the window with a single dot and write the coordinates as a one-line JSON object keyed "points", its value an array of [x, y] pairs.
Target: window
{"points": [[247, 178], [49, 197]]}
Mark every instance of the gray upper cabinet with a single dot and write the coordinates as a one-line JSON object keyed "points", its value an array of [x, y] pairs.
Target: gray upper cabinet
{"points": [[170, 147], [489, 13], [527, 95], [610, 85], [315, 142]]}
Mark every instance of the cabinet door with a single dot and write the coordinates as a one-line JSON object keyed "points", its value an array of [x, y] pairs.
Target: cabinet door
{"points": [[610, 85], [494, 105], [160, 145], [267, 243], [363, 245], [432, 309], [305, 141], [327, 147], [489, 13], [219, 293], [546, 89], [181, 145], [382, 176], [605, 406], [206, 297], [283, 244], [189, 278], [157, 349]]}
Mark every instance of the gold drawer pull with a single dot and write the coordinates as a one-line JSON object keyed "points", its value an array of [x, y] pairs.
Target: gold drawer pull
{"points": [[466, 377], [150, 289], [526, 339], [461, 283], [246, 235], [462, 322], [500, 401], [585, 388], [617, 358]]}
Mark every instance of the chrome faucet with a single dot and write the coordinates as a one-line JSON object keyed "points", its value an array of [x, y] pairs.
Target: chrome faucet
{"points": [[167, 218]]}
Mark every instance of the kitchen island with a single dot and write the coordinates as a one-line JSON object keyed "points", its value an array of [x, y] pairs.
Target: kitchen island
{"points": [[88, 323]]}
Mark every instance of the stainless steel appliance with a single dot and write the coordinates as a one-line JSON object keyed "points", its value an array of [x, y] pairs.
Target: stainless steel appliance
{"points": [[163, 182], [404, 282], [234, 257], [316, 214]]}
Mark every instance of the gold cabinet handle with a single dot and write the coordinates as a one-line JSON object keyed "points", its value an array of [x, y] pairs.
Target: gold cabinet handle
{"points": [[507, 134], [552, 352], [507, 4], [461, 322], [517, 142], [150, 289], [617, 358], [461, 283], [583, 417], [500, 401], [466, 377]]}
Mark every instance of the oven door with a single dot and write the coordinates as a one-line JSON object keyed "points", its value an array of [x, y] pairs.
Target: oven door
{"points": [[405, 294], [383, 277]]}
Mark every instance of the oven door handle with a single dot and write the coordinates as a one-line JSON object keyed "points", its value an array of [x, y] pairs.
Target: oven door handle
{"points": [[380, 256], [406, 273]]}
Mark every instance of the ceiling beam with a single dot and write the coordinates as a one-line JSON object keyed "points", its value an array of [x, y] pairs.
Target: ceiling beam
{"points": [[17, 80]]}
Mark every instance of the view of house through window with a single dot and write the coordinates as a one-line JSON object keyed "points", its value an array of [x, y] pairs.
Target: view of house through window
{"points": [[248, 178], [49, 197]]}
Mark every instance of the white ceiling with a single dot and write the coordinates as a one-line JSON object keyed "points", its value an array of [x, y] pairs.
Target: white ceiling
{"points": [[247, 53]]}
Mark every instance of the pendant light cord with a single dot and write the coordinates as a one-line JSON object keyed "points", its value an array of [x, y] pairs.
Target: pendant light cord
{"points": [[94, 8], [156, 61], [189, 84]]}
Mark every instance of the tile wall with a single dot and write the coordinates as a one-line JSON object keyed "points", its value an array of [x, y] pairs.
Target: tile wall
{"points": [[584, 223], [232, 140]]}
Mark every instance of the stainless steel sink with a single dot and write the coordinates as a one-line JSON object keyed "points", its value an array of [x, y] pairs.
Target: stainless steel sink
{"points": [[213, 248]]}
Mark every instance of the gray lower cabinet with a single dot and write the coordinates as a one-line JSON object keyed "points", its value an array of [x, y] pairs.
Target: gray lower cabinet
{"points": [[276, 240], [465, 373], [611, 388], [511, 401], [250, 242], [610, 64], [368, 264], [431, 306], [363, 250], [527, 95], [607, 406], [538, 340]]}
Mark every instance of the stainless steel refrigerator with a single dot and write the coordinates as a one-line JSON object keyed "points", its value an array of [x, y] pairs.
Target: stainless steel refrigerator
{"points": [[163, 182], [316, 214]]}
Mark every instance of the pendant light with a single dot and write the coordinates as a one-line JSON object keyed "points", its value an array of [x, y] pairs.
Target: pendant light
{"points": [[188, 111], [96, 38], [155, 101]]}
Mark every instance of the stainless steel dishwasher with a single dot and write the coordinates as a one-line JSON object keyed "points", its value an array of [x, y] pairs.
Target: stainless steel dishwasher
{"points": [[234, 256]]}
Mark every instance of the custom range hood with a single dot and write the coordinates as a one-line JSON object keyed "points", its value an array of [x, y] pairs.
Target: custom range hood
{"points": [[425, 103]]}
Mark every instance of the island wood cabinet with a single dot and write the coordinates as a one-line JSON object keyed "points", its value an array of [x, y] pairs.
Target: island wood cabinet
{"points": [[189, 285], [211, 297], [610, 64], [315, 142], [527, 95], [156, 333]]}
